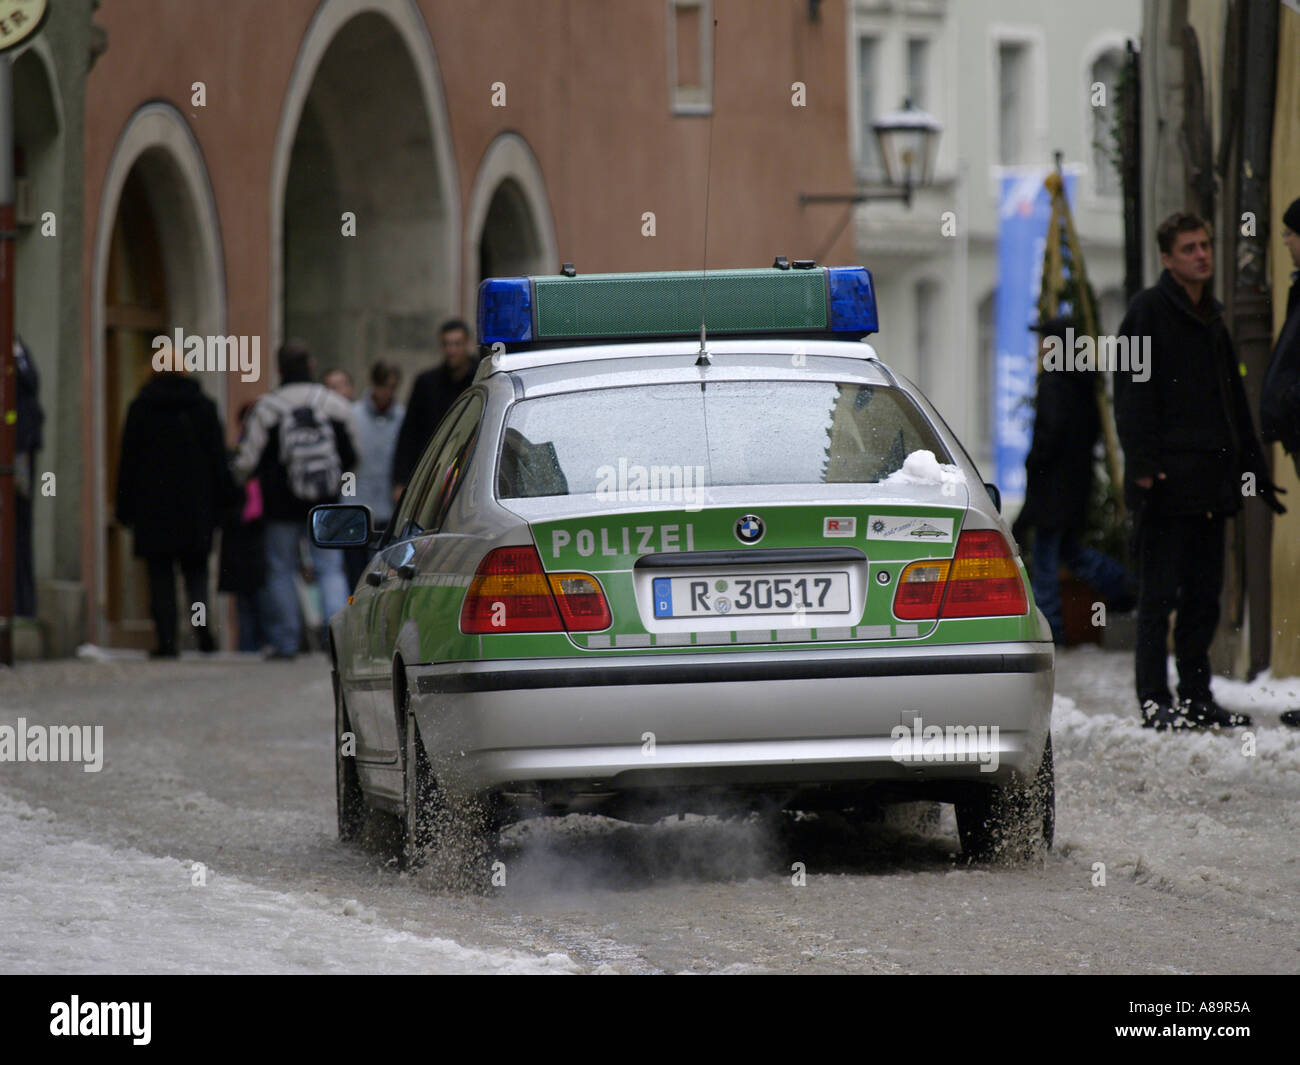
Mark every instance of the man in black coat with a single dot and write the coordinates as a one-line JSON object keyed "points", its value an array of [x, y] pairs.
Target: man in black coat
{"points": [[432, 395], [1191, 454], [172, 484], [27, 442], [1279, 401], [1058, 482]]}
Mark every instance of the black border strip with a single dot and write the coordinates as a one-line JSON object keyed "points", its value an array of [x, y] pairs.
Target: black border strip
{"points": [[657, 671]]}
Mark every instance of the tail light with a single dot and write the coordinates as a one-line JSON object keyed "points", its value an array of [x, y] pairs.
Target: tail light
{"points": [[582, 601], [981, 580], [511, 592]]}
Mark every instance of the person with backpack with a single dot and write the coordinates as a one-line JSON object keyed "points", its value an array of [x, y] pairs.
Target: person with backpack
{"points": [[299, 440]]}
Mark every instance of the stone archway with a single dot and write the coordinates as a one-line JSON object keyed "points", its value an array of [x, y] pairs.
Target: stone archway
{"points": [[364, 208], [509, 227], [158, 266]]}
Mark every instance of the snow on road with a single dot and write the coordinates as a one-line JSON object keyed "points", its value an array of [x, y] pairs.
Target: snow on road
{"points": [[70, 906], [226, 762]]}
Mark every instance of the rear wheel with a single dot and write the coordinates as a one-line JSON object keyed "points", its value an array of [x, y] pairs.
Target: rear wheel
{"points": [[349, 798], [424, 805], [1011, 822]]}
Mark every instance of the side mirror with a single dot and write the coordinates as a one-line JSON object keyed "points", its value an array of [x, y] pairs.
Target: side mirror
{"points": [[994, 494], [340, 525]]}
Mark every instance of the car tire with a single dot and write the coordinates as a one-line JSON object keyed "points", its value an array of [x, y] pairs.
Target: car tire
{"points": [[424, 805], [1011, 822], [350, 799]]}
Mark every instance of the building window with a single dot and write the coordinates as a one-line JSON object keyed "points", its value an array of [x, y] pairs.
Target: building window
{"points": [[690, 56], [1105, 75], [869, 161], [918, 72], [928, 318], [1013, 101]]}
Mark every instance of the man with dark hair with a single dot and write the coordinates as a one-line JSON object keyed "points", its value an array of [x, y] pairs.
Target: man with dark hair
{"points": [[340, 381], [1058, 484], [1190, 455], [1279, 401], [378, 417], [299, 439], [432, 395]]}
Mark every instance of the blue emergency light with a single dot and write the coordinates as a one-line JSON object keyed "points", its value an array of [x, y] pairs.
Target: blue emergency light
{"points": [[838, 301]]}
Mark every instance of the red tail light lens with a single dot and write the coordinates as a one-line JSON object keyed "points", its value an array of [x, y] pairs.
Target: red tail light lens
{"points": [[511, 592], [981, 581]]}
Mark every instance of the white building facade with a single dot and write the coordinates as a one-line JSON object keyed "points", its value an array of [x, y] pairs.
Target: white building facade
{"points": [[1011, 82]]}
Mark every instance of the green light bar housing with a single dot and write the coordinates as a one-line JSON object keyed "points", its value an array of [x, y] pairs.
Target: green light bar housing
{"points": [[553, 309]]}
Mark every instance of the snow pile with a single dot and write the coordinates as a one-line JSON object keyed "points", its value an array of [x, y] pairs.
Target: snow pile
{"points": [[1197, 814], [68, 906], [921, 467], [1256, 755]]}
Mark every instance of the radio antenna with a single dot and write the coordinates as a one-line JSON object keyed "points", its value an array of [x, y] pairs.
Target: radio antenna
{"points": [[703, 357]]}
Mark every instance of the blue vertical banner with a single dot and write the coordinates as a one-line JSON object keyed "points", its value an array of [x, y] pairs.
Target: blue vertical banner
{"points": [[1024, 210]]}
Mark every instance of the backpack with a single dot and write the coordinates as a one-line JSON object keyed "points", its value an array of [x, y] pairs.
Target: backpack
{"points": [[310, 455]]}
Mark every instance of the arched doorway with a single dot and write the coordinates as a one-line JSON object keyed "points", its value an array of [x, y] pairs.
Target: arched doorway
{"points": [[509, 227], [367, 217], [135, 311], [158, 267], [508, 245]]}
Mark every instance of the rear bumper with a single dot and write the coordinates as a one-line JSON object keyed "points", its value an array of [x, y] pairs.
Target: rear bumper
{"points": [[622, 723]]}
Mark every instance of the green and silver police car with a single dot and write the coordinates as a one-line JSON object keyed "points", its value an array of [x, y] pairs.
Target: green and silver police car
{"points": [[688, 544]]}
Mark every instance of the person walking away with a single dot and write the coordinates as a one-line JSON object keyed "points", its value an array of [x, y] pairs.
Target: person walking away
{"points": [[300, 439], [1058, 485], [379, 419], [27, 442], [242, 566], [432, 395], [172, 483], [1279, 401], [1188, 444]]}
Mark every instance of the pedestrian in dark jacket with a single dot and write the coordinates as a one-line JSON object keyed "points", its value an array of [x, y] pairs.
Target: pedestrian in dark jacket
{"points": [[172, 484], [432, 395], [1191, 454], [300, 440], [27, 442], [1058, 484], [242, 566], [1279, 402]]}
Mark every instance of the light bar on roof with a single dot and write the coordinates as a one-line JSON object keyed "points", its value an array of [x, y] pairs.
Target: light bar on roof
{"points": [[553, 309]]}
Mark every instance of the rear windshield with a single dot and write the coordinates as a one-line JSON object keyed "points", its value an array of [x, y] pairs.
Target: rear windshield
{"points": [[722, 433]]}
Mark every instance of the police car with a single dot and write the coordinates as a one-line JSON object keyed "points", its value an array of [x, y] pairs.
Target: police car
{"points": [[646, 567]]}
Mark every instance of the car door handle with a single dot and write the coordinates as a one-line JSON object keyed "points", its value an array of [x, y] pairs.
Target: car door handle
{"points": [[406, 572], [373, 579]]}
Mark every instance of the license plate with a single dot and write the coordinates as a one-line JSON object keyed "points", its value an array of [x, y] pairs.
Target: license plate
{"points": [[750, 594]]}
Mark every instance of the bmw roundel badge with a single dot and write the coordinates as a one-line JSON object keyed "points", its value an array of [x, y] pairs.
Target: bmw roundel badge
{"points": [[750, 529]]}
